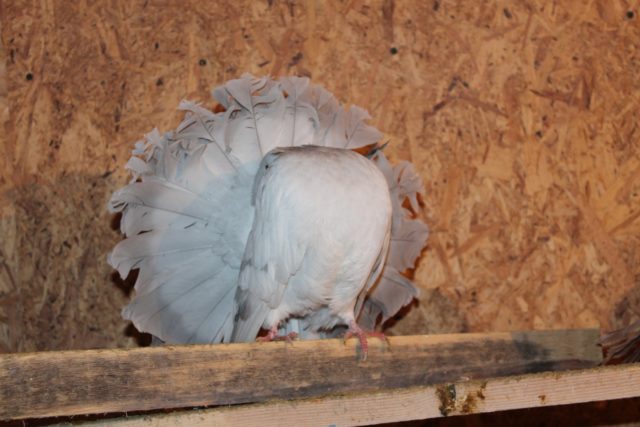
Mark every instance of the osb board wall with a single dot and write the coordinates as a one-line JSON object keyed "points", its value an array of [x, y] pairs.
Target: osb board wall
{"points": [[521, 117]]}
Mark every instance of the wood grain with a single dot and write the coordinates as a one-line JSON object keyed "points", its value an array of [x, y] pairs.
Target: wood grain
{"points": [[495, 394], [100, 381]]}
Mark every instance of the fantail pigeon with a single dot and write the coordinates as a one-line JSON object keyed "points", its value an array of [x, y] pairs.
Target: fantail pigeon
{"points": [[262, 217]]}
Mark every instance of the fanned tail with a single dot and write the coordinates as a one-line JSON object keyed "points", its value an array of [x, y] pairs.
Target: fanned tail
{"points": [[187, 211], [185, 225], [408, 237]]}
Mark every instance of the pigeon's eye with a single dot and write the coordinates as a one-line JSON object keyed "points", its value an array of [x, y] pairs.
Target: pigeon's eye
{"points": [[266, 166]]}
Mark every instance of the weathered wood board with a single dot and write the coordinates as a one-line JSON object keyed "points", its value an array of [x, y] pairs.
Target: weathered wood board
{"points": [[417, 403], [99, 381]]}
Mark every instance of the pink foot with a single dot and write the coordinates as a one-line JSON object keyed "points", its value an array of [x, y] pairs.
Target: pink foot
{"points": [[272, 335], [357, 331]]}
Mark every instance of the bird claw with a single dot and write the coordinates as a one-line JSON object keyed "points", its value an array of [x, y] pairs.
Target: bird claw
{"points": [[272, 335], [356, 331]]}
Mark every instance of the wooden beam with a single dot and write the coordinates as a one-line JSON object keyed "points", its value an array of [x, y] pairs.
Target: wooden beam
{"points": [[102, 381], [418, 403]]}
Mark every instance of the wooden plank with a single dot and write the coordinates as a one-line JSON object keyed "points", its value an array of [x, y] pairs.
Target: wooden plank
{"points": [[418, 403], [101, 381]]}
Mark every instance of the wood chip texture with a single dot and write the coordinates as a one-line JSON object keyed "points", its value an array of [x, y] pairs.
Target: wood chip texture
{"points": [[520, 116]]}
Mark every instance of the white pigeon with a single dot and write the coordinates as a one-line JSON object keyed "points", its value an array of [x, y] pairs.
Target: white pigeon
{"points": [[262, 217], [319, 239]]}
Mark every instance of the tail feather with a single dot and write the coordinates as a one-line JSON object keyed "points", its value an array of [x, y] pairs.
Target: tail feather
{"points": [[409, 183], [301, 119], [142, 218], [202, 125], [408, 237], [163, 196], [183, 312], [258, 106], [393, 292], [356, 129], [195, 267], [246, 328], [407, 243], [170, 243], [151, 290]]}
